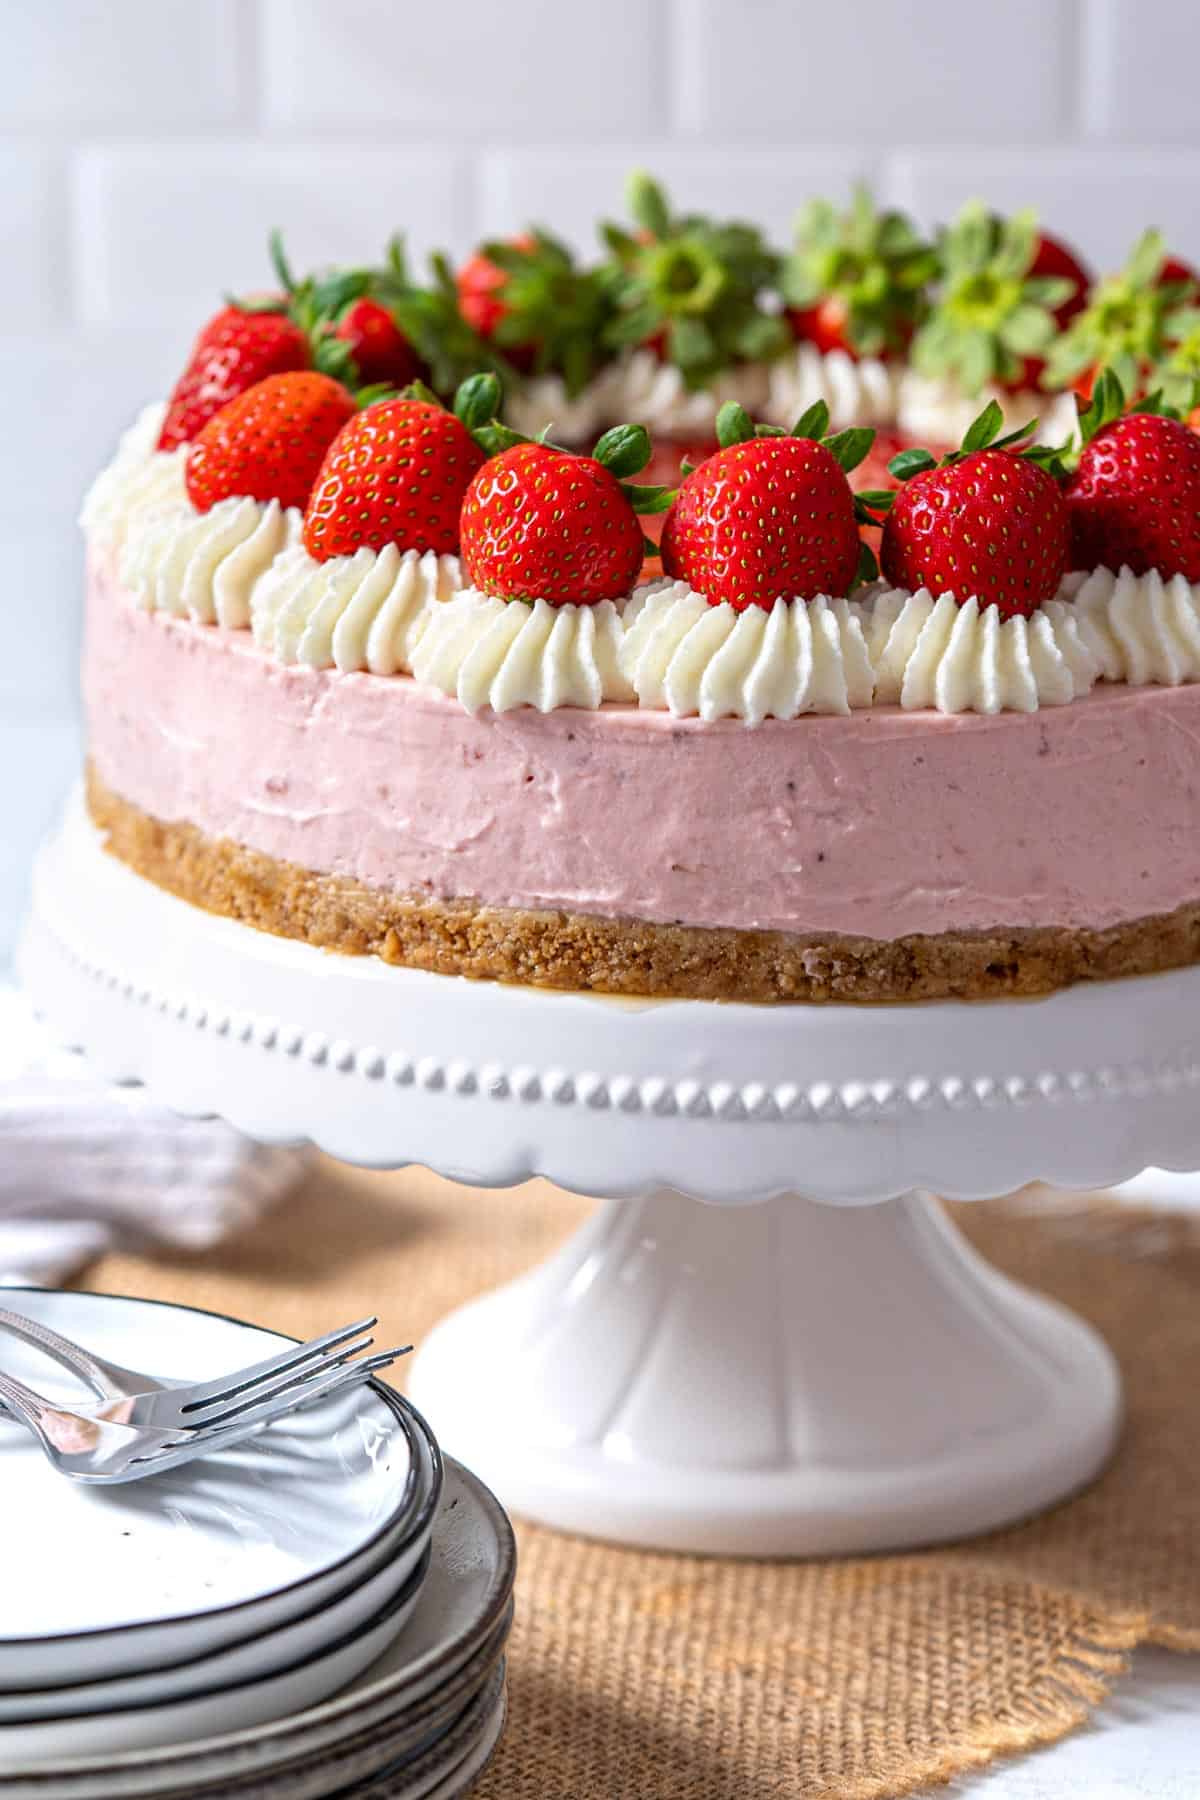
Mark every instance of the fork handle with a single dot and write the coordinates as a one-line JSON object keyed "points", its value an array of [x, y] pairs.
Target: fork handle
{"points": [[60, 1349]]}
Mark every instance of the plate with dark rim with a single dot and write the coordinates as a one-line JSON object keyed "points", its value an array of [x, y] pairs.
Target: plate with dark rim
{"points": [[114, 1581], [464, 1602]]}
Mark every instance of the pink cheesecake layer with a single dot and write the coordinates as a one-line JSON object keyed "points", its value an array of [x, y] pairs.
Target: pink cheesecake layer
{"points": [[880, 824]]}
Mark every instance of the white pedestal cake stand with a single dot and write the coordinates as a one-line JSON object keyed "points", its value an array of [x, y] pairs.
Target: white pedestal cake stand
{"points": [[804, 1374]]}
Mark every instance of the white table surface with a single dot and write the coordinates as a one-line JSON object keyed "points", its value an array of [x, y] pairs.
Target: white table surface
{"points": [[1144, 1744]]}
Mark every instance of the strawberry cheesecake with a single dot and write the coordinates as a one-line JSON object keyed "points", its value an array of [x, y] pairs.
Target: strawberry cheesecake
{"points": [[388, 676]]}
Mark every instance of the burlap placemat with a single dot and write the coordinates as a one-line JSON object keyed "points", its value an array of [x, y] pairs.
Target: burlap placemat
{"points": [[638, 1677]]}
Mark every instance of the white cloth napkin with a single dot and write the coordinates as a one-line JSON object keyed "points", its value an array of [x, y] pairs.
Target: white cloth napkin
{"points": [[86, 1166]]}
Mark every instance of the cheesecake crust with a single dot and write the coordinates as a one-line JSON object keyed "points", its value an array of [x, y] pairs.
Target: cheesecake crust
{"points": [[631, 957]]}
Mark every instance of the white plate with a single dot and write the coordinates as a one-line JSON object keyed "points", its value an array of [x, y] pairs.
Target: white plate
{"points": [[264, 1654], [118, 1580], [329, 1747], [230, 1708]]}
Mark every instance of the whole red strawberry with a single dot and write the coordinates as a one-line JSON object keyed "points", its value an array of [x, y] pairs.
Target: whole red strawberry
{"points": [[542, 524], [397, 473], [381, 352], [268, 443], [1134, 498], [481, 283], [235, 350], [986, 523], [768, 517]]}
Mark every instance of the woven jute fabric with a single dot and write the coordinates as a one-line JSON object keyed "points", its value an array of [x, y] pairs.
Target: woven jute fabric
{"points": [[637, 1676]]}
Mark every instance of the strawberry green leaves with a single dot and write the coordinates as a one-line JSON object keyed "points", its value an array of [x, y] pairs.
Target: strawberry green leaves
{"points": [[848, 448], [1131, 320], [625, 450], [873, 264], [430, 319], [993, 311], [477, 400], [691, 286], [552, 306]]}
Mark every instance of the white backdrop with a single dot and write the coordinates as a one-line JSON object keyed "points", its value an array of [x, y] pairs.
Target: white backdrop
{"points": [[147, 145]]}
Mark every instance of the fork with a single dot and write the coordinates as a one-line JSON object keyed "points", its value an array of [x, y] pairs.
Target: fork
{"points": [[88, 1446], [133, 1397]]}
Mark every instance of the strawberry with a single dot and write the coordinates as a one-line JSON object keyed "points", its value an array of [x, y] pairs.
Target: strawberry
{"points": [[269, 442], [998, 312], [381, 352], [1129, 323], [1053, 258], [397, 473], [987, 522], [1176, 272], [234, 351], [343, 313], [539, 523], [481, 282], [541, 310], [856, 281], [431, 320], [1133, 493], [770, 516], [690, 287]]}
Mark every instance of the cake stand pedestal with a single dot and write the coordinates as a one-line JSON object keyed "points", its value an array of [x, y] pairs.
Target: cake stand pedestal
{"points": [[814, 1361]]}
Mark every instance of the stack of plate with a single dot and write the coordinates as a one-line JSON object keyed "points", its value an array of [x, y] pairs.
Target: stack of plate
{"points": [[321, 1610]]}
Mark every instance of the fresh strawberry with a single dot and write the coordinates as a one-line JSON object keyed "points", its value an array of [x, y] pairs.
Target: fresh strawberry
{"points": [[986, 523], [381, 352], [538, 306], [998, 313], [770, 516], [481, 283], [539, 523], [1129, 323], [269, 442], [826, 326], [345, 315], [397, 473], [1053, 258], [1133, 491], [690, 287], [235, 350], [857, 281], [1176, 272], [429, 316]]}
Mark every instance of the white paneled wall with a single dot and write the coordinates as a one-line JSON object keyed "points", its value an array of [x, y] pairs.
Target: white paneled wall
{"points": [[147, 145]]}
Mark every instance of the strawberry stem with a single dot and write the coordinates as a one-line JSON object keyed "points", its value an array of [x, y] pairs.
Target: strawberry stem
{"points": [[623, 450], [477, 400]]}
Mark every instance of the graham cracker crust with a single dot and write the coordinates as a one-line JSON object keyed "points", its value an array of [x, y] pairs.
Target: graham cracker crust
{"points": [[632, 957]]}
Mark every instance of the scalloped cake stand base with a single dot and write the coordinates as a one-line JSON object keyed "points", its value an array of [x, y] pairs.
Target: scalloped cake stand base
{"points": [[773, 1379], [789, 1380]]}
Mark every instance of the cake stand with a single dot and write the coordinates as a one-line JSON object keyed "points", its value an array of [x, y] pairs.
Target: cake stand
{"points": [[814, 1360]]}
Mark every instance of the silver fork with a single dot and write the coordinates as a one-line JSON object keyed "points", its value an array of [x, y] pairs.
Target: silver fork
{"points": [[86, 1445], [133, 1397]]}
